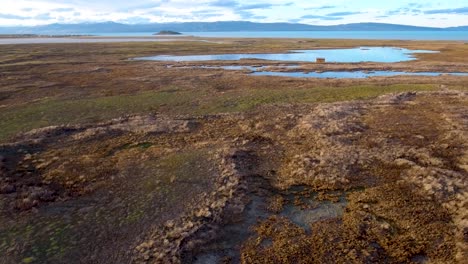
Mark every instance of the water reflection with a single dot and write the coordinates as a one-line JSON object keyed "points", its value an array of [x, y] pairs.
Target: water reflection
{"points": [[352, 55]]}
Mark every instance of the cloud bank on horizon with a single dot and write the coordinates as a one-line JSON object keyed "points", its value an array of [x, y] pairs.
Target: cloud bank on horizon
{"points": [[435, 13]]}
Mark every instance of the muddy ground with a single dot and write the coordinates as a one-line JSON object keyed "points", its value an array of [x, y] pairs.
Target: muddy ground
{"points": [[106, 160]]}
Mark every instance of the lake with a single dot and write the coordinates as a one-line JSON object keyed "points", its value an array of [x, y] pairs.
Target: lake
{"points": [[395, 35], [362, 54], [352, 74]]}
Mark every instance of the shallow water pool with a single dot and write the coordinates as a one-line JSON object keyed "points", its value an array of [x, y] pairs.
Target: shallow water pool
{"points": [[352, 55], [263, 71], [352, 74]]}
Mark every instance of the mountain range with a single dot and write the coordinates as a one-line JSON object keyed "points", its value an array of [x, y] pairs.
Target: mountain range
{"points": [[113, 27]]}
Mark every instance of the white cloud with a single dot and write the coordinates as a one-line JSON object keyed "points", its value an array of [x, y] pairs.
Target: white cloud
{"points": [[36, 12]]}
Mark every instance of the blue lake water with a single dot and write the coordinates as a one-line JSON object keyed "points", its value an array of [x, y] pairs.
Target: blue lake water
{"points": [[236, 67], [351, 74], [266, 71], [232, 67], [395, 35], [362, 54]]}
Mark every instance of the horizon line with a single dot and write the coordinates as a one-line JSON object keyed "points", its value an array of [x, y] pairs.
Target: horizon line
{"points": [[225, 21]]}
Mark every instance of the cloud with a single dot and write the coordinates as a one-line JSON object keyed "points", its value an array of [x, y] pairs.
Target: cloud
{"points": [[10, 16], [344, 14], [245, 14], [204, 16], [398, 11], [321, 17], [63, 9], [45, 16], [419, 5], [36, 12], [224, 3], [402, 11], [324, 7], [142, 5], [255, 6], [462, 11], [135, 20], [156, 13], [237, 6], [206, 13], [321, 7]]}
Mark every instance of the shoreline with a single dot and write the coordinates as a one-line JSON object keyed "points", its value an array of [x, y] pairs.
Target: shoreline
{"points": [[88, 39], [13, 39]]}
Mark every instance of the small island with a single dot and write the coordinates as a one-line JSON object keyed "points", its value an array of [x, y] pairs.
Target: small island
{"points": [[167, 32]]}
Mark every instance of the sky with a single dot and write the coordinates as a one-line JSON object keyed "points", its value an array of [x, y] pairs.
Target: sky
{"points": [[436, 13]]}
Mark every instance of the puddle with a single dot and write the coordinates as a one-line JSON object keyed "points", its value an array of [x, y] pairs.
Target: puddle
{"points": [[258, 70], [352, 74], [229, 67], [235, 67], [352, 55], [300, 209], [251, 68], [310, 210]]}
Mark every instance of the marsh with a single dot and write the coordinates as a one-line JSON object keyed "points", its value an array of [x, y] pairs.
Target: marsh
{"points": [[106, 159]]}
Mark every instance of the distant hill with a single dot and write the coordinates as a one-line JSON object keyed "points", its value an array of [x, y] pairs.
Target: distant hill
{"points": [[464, 28], [112, 27]]}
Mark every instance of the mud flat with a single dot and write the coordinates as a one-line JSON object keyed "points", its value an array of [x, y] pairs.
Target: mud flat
{"points": [[108, 160]]}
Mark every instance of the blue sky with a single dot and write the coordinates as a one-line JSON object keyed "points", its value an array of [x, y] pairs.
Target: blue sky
{"points": [[438, 13]]}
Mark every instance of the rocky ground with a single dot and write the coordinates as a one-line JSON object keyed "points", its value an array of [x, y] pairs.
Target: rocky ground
{"points": [[391, 173]]}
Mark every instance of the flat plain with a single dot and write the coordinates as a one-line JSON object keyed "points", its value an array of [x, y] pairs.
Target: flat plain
{"points": [[106, 159]]}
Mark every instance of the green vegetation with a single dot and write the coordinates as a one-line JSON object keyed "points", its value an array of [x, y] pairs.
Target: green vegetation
{"points": [[55, 112], [28, 260], [95, 82]]}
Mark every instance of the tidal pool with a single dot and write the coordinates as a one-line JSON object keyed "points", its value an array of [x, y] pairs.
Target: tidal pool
{"points": [[351, 55], [352, 74]]}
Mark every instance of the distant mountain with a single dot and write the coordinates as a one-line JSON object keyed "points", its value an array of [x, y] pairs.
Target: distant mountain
{"points": [[377, 27], [464, 28], [112, 27]]}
